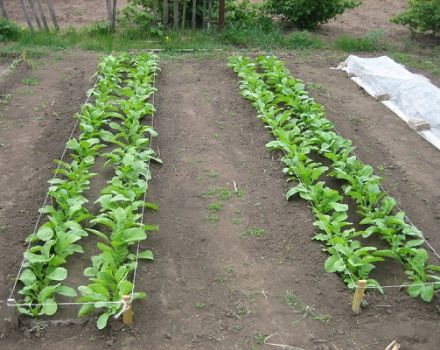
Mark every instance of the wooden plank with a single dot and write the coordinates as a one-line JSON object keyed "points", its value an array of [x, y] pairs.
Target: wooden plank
{"points": [[185, 3], [155, 13], [193, 16], [114, 13], [34, 13], [52, 14], [26, 16], [176, 14], [221, 14], [165, 13], [43, 16]]}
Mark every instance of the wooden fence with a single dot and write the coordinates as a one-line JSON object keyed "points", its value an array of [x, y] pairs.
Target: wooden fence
{"points": [[35, 12]]}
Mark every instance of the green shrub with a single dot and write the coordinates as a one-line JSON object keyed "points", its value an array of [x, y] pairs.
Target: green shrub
{"points": [[244, 13], [306, 14], [421, 16], [8, 30]]}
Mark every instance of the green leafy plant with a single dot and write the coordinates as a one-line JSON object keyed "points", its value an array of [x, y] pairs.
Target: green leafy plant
{"points": [[421, 16], [301, 130], [306, 14], [9, 30]]}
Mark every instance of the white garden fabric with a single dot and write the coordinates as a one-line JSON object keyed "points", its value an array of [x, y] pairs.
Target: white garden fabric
{"points": [[411, 96]]}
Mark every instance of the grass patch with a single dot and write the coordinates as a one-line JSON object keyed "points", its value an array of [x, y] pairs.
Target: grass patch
{"points": [[30, 81], [212, 218], [371, 42], [254, 232], [215, 207], [200, 306]]}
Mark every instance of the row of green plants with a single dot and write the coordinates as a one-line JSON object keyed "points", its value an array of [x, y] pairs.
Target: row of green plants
{"points": [[119, 224], [120, 103], [314, 154]]}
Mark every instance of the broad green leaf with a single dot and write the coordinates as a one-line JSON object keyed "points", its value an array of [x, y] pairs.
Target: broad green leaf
{"points": [[102, 320], [59, 274], [147, 255], [66, 291], [45, 233], [49, 307]]}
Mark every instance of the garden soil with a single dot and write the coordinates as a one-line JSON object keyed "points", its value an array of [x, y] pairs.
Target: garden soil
{"points": [[214, 285]]}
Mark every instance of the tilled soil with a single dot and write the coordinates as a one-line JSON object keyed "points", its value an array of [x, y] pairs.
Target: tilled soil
{"points": [[213, 285]]}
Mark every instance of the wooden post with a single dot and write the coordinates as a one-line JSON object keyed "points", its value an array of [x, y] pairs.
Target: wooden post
{"points": [[43, 17], [12, 313], [52, 14], [2, 7], [127, 315], [114, 12], [204, 14], [165, 13], [194, 13], [358, 296], [208, 20], [26, 16], [176, 15], [221, 14], [37, 19], [109, 11], [184, 13], [155, 13]]}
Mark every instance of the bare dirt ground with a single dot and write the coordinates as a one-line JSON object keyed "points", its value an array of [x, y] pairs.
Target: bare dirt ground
{"points": [[212, 286], [371, 15]]}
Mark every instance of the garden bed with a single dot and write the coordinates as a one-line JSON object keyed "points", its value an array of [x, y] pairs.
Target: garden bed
{"points": [[230, 246]]}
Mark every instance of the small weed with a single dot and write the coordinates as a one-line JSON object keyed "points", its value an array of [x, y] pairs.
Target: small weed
{"points": [[212, 174], [5, 99], [259, 338], [215, 207], [200, 306], [254, 232], [3, 227], [305, 310], [240, 193], [236, 328], [30, 81], [315, 86], [212, 218], [228, 269], [243, 311], [218, 192], [236, 220], [217, 136]]}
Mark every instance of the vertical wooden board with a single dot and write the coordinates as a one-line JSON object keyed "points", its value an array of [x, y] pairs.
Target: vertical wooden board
{"points": [[52, 14], [176, 14], [26, 16], [165, 13], [194, 13]]}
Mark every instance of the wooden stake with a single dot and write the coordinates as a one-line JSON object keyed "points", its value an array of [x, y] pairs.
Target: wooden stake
{"points": [[13, 315], [127, 315], [184, 13], [358, 296]]}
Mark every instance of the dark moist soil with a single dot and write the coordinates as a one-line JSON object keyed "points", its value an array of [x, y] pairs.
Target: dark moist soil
{"points": [[212, 286]]}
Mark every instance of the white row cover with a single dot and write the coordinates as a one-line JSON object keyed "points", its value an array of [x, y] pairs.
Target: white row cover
{"points": [[411, 96]]}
